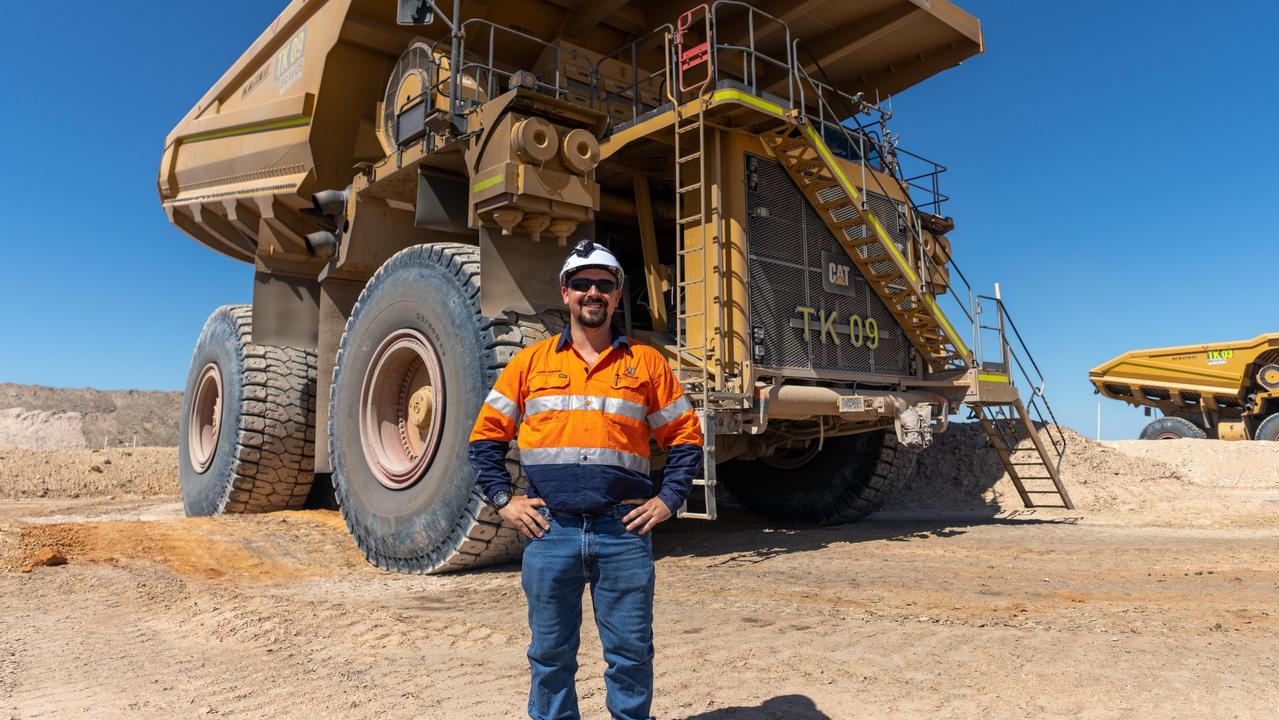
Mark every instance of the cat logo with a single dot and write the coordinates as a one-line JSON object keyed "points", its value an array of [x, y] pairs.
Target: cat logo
{"points": [[837, 274]]}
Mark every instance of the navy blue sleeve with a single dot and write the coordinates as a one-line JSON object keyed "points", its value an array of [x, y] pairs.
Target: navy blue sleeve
{"points": [[488, 457], [683, 463]]}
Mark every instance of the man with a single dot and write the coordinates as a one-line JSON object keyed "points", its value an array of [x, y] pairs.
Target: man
{"points": [[585, 403]]}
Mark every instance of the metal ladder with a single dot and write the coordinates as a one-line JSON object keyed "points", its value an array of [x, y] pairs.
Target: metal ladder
{"points": [[697, 235], [709, 473], [1007, 426], [1035, 469]]}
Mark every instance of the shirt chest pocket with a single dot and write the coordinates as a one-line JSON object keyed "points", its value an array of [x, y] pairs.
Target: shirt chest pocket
{"points": [[552, 381], [626, 414], [631, 387]]}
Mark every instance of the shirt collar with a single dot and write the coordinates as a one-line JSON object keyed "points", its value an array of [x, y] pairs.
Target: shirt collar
{"points": [[566, 338]]}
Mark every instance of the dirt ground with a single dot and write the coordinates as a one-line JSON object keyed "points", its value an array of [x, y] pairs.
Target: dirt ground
{"points": [[1157, 598]]}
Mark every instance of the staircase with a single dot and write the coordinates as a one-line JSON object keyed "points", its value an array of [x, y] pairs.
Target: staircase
{"points": [[1009, 420], [817, 172], [1035, 470]]}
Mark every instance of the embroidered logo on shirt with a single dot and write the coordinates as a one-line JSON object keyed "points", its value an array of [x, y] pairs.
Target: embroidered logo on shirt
{"points": [[631, 371]]}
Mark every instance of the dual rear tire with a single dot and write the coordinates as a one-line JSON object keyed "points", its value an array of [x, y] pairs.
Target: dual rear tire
{"points": [[246, 439], [845, 480], [415, 362], [1172, 428], [1268, 430], [1175, 428]]}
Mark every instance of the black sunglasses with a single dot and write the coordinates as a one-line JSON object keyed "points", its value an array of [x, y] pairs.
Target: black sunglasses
{"points": [[584, 285]]}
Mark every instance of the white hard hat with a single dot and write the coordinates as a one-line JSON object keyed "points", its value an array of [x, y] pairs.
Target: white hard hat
{"points": [[588, 254]]}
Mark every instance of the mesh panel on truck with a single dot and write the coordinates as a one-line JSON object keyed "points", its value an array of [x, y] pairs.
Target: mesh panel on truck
{"points": [[785, 245]]}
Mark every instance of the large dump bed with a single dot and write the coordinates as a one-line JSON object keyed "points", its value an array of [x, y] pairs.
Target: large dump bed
{"points": [[298, 112], [1186, 378]]}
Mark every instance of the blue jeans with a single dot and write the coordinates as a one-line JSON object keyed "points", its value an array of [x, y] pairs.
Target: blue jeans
{"points": [[619, 567]]}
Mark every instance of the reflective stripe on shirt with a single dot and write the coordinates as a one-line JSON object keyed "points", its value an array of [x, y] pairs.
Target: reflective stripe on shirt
{"points": [[588, 456], [670, 412], [611, 405], [504, 405]]}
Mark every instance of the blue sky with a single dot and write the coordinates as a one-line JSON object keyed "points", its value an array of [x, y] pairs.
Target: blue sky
{"points": [[1113, 169]]}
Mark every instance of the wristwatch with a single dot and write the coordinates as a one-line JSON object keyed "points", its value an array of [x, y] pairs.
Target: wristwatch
{"points": [[500, 499]]}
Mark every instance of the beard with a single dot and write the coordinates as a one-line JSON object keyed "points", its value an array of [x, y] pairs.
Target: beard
{"points": [[592, 315]]}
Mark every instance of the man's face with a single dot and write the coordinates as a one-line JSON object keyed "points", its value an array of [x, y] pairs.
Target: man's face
{"points": [[591, 307]]}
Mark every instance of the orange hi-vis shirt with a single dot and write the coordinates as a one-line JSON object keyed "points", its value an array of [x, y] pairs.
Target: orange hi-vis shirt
{"points": [[584, 431]]}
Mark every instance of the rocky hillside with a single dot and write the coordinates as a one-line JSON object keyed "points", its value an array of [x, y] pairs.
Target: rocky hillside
{"points": [[39, 417]]}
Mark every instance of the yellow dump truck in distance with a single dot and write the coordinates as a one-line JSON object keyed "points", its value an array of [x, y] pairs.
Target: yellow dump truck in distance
{"points": [[405, 177], [1224, 390]]}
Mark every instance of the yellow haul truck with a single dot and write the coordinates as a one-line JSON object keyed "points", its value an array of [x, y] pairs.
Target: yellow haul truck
{"points": [[405, 176], [1228, 391]]}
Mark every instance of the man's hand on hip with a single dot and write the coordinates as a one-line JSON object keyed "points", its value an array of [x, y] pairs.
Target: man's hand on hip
{"points": [[522, 512], [645, 517]]}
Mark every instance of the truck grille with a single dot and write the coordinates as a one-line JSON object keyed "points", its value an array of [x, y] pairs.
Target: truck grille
{"points": [[788, 248]]}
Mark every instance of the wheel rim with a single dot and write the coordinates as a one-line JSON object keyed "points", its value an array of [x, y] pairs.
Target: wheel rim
{"points": [[402, 409], [1168, 436], [205, 420], [791, 458]]}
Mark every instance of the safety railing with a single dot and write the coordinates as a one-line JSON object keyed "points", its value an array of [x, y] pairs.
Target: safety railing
{"points": [[560, 72], [627, 93], [924, 183], [747, 46], [1017, 362], [740, 57]]}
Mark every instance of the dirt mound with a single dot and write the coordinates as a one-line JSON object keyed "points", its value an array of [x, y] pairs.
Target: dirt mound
{"points": [[35, 416], [41, 429], [1213, 463], [138, 472], [962, 473]]}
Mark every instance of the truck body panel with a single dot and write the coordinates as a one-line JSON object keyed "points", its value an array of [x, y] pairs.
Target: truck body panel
{"points": [[298, 110]]}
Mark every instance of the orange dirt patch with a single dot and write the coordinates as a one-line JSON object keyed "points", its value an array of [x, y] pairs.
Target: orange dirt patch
{"points": [[279, 547]]}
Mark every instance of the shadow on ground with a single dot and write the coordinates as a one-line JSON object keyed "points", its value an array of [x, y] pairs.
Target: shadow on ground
{"points": [[739, 538], [783, 707], [949, 493]]}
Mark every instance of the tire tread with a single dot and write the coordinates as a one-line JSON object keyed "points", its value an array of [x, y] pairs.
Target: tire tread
{"points": [[1176, 425], [892, 469], [479, 537], [275, 447]]}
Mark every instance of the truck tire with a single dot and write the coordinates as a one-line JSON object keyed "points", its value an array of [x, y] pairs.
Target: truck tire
{"points": [[848, 479], [1268, 430], [1172, 428], [415, 363], [246, 440]]}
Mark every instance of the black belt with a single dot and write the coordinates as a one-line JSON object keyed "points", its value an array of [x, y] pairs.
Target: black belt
{"points": [[617, 511]]}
